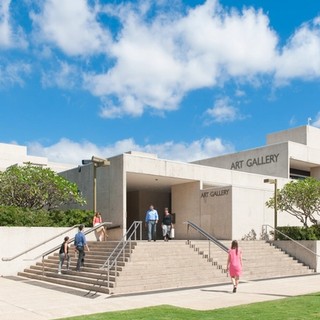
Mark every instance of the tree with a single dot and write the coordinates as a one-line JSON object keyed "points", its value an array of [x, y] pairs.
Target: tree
{"points": [[36, 187], [300, 198]]}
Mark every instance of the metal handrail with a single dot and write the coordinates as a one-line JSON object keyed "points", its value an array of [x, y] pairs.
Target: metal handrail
{"points": [[114, 256], [72, 239], [43, 255], [206, 235], [39, 245], [294, 241]]}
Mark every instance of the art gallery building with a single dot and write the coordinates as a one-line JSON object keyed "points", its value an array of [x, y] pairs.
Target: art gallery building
{"points": [[224, 195]]}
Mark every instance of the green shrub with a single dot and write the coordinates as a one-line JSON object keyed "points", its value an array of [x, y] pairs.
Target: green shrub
{"points": [[300, 233], [18, 217]]}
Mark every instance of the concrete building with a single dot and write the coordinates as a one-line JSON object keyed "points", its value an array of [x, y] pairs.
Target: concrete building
{"points": [[11, 154], [225, 195]]}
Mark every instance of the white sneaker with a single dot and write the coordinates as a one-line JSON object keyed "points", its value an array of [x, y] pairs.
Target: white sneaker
{"points": [[59, 272]]}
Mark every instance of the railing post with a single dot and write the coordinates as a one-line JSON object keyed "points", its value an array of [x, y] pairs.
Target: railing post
{"points": [[124, 250], [108, 270], [188, 240], [209, 251], [42, 265], [115, 271]]}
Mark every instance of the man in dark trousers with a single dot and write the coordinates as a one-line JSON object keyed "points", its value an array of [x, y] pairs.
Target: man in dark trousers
{"points": [[80, 243]]}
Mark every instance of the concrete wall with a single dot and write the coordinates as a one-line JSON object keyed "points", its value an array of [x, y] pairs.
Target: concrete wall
{"points": [[311, 156], [269, 160], [296, 250], [186, 206], [110, 190], [306, 135], [298, 135], [315, 172], [14, 240], [216, 211]]}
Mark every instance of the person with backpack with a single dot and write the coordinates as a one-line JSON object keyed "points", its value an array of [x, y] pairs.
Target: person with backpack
{"points": [[64, 254]]}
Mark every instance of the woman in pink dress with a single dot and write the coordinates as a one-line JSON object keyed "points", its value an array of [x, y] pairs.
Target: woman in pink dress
{"points": [[234, 264]]}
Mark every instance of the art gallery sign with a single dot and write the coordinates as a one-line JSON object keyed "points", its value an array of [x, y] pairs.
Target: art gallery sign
{"points": [[257, 161], [214, 193]]}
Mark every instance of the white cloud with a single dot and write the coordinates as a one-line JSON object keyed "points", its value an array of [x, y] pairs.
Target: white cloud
{"points": [[223, 111], [195, 150], [13, 74], [292, 121], [10, 36], [316, 122], [300, 58], [5, 29], [72, 26], [64, 76], [152, 59], [67, 151], [158, 62]]}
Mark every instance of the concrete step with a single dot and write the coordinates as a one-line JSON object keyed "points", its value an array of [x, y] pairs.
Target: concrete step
{"points": [[145, 287], [256, 254], [88, 260], [91, 270], [67, 282], [83, 276]]}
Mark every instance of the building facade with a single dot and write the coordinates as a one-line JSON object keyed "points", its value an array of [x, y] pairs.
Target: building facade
{"points": [[225, 195]]}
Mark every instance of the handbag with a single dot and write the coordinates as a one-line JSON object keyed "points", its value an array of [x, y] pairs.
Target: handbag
{"points": [[172, 233]]}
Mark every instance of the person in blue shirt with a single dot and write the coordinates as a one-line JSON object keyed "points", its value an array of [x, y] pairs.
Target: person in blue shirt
{"points": [[152, 218], [80, 243]]}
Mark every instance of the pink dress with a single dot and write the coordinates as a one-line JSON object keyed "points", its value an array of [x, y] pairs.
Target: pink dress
{"points": [[235, 267]]}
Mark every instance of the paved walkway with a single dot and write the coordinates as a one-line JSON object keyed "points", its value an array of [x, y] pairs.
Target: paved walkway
{"points": [[31, 300]]}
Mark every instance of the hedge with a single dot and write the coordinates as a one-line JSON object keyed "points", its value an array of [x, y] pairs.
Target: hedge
{"points": [[23, 217], [300, 233]]}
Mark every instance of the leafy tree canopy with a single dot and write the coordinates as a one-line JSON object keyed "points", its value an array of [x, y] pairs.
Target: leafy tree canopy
{"points": [[300, 198], [36, 187]]}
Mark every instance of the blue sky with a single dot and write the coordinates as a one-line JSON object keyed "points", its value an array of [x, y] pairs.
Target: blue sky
{"points": [[183, 79]]}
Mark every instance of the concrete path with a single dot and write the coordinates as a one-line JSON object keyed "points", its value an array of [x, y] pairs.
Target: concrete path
{"points": [[32, 300]]}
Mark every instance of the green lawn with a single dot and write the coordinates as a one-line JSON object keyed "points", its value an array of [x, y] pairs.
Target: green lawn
{"points": [[300, 307]]}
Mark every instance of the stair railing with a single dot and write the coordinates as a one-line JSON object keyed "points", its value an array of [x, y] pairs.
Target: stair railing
{"points": [[208, 237], [39, 245], [119, 252], [43, 255], [265, 231]]}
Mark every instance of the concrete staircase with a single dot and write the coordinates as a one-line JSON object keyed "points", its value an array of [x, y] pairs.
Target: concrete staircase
{"points": [[165, 265], [260, 259], [91, 278]]}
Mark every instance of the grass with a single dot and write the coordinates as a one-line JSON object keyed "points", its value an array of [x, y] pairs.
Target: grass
{"points": [[295, 308]]}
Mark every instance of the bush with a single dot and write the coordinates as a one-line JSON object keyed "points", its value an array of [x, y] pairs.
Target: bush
{"points": [[300, 233], [24, 217]]}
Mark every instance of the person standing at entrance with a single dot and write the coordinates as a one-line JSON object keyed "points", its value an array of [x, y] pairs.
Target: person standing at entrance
{"points": [[166, 224], [234, 264], [152, 218], [80, 243]]}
